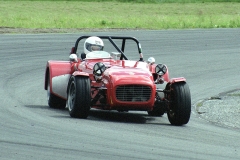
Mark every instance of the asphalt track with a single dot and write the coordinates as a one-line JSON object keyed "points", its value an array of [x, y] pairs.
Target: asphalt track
{"points": [[29, 129]]}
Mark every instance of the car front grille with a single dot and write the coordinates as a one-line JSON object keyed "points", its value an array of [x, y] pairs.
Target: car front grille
{"points": [[133, 93]]}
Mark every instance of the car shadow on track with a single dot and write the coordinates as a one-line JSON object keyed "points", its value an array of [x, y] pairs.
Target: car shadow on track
{"points": [[104, 115], [114, 116]]}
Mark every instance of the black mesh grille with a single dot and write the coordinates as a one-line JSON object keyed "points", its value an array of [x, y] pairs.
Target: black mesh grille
{"points": [[133, 93]]}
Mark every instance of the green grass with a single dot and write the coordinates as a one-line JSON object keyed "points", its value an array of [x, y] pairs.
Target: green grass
{"points": [[115, 14]]}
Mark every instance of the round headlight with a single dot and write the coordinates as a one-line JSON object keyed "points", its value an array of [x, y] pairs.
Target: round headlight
{"points": [[161, 69], [98, 69]]}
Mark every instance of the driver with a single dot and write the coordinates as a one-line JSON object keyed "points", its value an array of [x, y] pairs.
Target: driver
{"points": [[92, 44]]}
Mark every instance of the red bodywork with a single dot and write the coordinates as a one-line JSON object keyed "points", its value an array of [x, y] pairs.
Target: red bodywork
{"points": [[119, 75]]}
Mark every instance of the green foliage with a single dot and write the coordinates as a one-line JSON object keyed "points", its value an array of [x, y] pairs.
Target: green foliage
{"points": [[78, 14]]}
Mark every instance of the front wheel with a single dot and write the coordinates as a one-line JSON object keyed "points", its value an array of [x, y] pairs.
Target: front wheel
{"points": [[79, 97], [179, 108]]}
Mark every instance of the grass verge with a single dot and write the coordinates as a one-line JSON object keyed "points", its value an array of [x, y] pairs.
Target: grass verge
{"points": [[81, 14]]}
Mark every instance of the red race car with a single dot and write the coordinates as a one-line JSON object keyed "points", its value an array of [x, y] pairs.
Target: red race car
{"points": [[110, 81]]}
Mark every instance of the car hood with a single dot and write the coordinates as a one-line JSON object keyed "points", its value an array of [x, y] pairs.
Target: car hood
{"points": [[123, 70], [129, 72]]}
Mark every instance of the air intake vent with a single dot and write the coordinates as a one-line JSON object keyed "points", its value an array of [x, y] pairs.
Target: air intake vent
{"points": [[133, 93]]}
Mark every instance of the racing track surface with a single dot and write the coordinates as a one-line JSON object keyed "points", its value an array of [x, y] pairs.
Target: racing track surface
{"points": [[29, 129]]}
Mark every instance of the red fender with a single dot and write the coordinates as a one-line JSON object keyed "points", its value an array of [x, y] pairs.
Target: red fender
{"points": [[179, 79], [56, 68], [78, 73], [57, 73]]}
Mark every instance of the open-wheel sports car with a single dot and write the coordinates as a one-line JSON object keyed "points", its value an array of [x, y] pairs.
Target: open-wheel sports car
{"points": [[110, 81]]}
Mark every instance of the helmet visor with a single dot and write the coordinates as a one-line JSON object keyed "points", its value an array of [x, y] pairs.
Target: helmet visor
{"points": [[96, 48], [93, 47]]}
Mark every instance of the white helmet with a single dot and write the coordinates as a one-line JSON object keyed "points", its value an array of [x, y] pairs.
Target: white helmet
{"points": [[93, 44]]}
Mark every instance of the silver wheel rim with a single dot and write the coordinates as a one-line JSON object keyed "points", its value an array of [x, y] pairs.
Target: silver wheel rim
{"points": [[71, 96]]}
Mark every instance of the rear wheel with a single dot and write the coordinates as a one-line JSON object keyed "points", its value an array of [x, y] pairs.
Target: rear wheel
{"points": [[54, 101], [79, 97], [180, 104]]}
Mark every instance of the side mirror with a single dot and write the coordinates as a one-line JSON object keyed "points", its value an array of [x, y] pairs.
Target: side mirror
{"points": [[73, 57], [151, 60]]}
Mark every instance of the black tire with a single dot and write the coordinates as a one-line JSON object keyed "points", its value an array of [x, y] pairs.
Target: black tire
{"points": [[180, 104], [79, 97], [54, 101]]}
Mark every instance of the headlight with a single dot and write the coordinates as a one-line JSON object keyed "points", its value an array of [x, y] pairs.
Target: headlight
{"points": [[161, 69], [98, 70]]}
